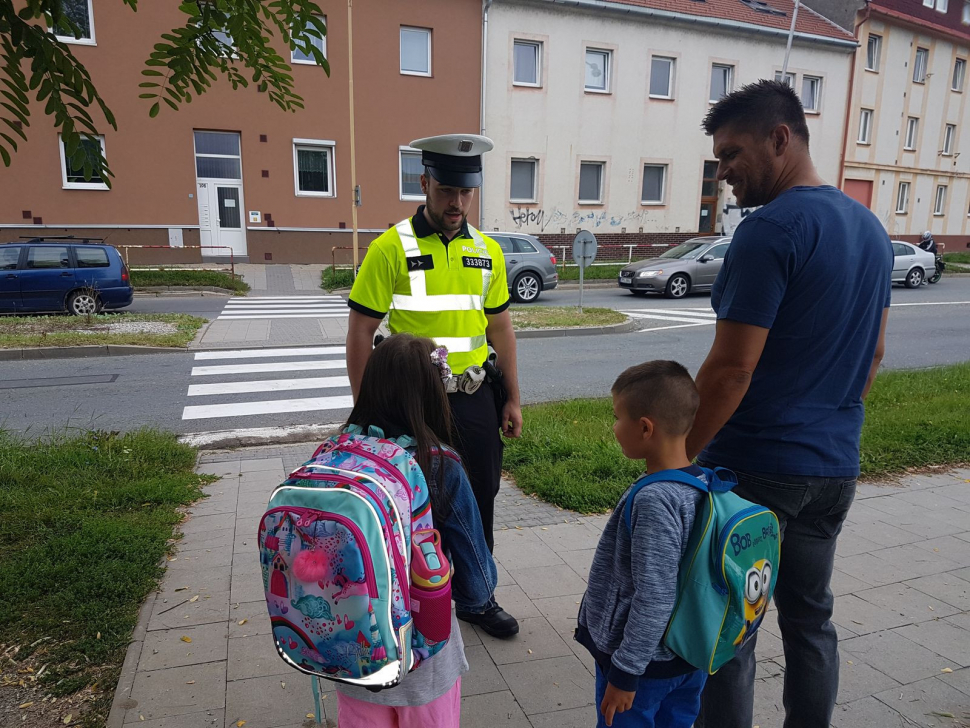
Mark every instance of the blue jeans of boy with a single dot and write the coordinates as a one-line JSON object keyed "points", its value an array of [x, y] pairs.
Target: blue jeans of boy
{"points": [[811, 511], [667, 703]]}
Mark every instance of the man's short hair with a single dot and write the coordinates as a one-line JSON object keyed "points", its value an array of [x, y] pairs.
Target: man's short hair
{"points": [[758, 108], [662, 391]]}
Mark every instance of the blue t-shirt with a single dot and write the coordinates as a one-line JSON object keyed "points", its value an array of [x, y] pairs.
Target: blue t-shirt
{"points": [[814, 267]]}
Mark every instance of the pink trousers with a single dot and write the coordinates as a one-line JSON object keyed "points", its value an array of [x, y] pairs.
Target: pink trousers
{"points": [[443, 712]]}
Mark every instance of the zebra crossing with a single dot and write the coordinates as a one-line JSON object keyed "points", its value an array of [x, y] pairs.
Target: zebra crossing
{"points": [[242, 383], [283, 307], [674, 318]]}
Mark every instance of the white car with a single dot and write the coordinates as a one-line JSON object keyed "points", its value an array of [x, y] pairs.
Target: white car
{"points": [[911, 265]]}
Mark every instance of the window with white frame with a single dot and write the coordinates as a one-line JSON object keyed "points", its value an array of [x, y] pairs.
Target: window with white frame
{"points": [[948, 133], [959, 73], [902, 198], [313, 168], [788, 78], [527, 63], [311, 37], [82, 15], [966, 12], [722, 81], [522, 185], [72, 165], [912, 129], [411, 171], [811, 93], [919, 65], [591, 182], [928, 3], [598, 64], [939, 206], [865, 126], [662, 77], [217, 155], [415, 51], [942, 6], [654, 184], [873, 52]]}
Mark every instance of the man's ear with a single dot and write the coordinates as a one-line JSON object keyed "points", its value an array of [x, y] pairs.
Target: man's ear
{"points": [[425, 184], [780, 139]]}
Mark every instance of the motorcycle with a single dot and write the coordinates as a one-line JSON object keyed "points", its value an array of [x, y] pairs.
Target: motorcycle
{"points": [[940, 267]]}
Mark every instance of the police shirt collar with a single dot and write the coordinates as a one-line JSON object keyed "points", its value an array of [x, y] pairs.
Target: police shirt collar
{"points": [[423, 229]]}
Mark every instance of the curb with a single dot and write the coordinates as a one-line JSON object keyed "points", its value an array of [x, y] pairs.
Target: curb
{"points": [[73, 352], [258, 437], [165, 291], [121, 702], [625, 327]]}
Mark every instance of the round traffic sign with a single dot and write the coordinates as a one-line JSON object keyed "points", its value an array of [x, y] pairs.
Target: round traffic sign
{"points": [[584, 248]]}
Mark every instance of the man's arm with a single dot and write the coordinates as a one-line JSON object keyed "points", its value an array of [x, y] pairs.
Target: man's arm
{"points": [[724, 378], [360, 343], [500, 333], [879, 354]]}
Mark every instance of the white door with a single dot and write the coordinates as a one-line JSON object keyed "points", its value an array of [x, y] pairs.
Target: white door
{"points": [[221, 222]]}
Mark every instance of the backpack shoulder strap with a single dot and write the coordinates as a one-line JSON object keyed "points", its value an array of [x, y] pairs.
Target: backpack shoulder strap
{"points": [[676, 476]]}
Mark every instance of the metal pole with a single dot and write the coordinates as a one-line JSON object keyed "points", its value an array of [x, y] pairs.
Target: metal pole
{"points": [[791, 34], [353, 148], [582, 268]]}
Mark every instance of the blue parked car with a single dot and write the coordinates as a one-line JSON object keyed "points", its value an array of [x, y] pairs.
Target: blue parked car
{"points": [[62, 274]]}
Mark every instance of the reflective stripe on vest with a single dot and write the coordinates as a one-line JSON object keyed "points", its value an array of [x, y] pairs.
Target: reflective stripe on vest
{"points": [[486, 272], [410, 245], [460, 344]]}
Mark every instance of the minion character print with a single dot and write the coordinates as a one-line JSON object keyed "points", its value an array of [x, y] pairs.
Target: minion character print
{"points": [[757, 586]]}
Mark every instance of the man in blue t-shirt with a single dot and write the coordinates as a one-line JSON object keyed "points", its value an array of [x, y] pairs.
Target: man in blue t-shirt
{"points": [[802, 302]]}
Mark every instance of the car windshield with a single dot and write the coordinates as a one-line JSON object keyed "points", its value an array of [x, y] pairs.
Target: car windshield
{"points": [[685, 251]]}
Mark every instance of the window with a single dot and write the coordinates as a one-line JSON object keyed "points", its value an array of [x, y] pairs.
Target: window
{"points": [[82, 14], [912, 127], [9, 256], [527, 63], [598, 70], [919, 65], [523, 180], [865, 126], [718, 251], [217, 155], [948, 134], [313, 167], [901, 249], [411, 171], [654, 181], [966, 13], [41, 257], [788, 78], [902, 198], [928, 3], [662, 77], [503, 242], [722, 80], [942, 6], [415, 51], [591, 181], [811, 93], [940, 205], [523, 246], [873, 52], [72, 166], [959, 71], [312, 37], [88, 257]]}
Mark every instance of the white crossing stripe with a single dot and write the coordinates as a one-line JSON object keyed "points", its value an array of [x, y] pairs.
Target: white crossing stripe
{"points": [[267, 385], [666, 317], [282, 316], [291, 366], [267, 407], [267, 299], [284, 307], [675, 326], [280, 306], [266, 353]]}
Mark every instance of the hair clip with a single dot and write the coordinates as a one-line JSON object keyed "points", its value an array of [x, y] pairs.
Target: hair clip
{"points": [[439, 357]]}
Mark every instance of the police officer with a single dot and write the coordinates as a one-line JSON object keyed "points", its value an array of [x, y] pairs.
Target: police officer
{"points": [[441, 278]]}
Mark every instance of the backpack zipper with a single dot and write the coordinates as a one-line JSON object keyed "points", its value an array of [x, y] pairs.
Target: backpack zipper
{"points": [[718, 556]]}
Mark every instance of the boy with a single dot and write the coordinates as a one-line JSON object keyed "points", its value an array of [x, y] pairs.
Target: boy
{"points": [[633, 578]]}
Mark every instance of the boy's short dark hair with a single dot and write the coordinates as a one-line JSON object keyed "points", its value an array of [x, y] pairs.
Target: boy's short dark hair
{"points": [[759, 107], [660, 390]]}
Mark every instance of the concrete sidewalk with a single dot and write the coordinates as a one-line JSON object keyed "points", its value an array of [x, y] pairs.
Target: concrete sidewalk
{"points": [[902, 582]]}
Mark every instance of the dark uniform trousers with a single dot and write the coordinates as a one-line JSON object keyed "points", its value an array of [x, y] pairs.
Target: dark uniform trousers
{"points": [[479, 442]]}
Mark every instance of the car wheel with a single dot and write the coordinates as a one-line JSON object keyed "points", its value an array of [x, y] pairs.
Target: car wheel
{"points": [[83, 303], [526, 288], [638, 293], [914, 278], [677, 287]]}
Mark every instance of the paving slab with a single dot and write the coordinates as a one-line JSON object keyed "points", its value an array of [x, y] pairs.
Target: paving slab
{"points": [[177, 691], [548, 581], [271, 702], [255, 656], [190, 611], [949, 588], [867, 713], [184, 646], [858, 679], [492, 710], [483, 675], [945, 639], [927, 702], [912, 604], [557, 683], [536, 640], [863, 617], [903, 660]]}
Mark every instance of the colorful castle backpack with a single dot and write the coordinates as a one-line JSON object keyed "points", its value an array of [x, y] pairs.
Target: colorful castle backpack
{"points": [[728, 572], [357, 585]]}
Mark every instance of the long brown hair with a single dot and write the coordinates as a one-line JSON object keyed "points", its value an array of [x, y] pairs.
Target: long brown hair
{"points": [[401, 392]]}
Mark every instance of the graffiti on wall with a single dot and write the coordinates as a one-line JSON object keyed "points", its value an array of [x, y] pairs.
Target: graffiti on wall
{"points": [[732, 217], [556, 218]]}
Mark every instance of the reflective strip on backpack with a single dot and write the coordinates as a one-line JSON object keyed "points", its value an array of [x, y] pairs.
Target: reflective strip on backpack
{"points": [[444, 302], [486, 272], [410, 245], [461, 344]]}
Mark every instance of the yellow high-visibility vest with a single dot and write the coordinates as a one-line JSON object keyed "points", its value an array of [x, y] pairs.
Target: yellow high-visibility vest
{"points": [[433, 290]]}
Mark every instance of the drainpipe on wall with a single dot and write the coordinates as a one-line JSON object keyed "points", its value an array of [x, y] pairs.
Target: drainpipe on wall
{"points": [[486, 6], [355, 192], [791, 34]]}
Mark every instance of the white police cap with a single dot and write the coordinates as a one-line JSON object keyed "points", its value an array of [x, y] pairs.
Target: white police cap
{"points": [[454, 159]]}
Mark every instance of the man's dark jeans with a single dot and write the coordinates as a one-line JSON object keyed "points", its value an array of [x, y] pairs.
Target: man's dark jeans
{"points": [[810, 511]]}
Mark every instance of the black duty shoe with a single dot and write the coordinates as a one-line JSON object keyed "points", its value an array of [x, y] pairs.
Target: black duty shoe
{"points": [[495, 621]]}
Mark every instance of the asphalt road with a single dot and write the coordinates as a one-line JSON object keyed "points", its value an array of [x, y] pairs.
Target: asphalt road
{"points": [[929, 326]]}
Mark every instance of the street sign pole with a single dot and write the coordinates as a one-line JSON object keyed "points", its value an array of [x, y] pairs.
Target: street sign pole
{"points": [[582, 269], [584, 253]]}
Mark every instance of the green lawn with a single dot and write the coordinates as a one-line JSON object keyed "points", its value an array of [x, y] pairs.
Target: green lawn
{"points": [[188, 277], [64, 330], [568, 455], [85, 521], [332, 278], [593, 272], [957, 262], [557, 317]]}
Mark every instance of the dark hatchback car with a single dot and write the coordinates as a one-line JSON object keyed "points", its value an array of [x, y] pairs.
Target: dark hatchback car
{"points": [[51, 274]]}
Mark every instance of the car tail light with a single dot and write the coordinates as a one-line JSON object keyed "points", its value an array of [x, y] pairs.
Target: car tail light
{"points": [[553, 259], [124, 273]]}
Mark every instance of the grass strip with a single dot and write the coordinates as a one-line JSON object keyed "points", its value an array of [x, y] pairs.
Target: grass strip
{"points": [[568, 455], [560, 317], [187, 277], [65, 330], [593, 272], [85, 521], [333, 278]]}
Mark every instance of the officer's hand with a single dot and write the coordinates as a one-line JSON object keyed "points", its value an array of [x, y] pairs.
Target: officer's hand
{"points": [[512, 420]]}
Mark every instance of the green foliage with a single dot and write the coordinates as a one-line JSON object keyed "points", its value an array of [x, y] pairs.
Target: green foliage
{"points": [[234, 38]]}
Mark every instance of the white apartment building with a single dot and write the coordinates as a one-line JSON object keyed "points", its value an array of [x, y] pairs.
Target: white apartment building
{"points": [[595, 107]]}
